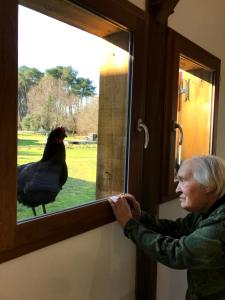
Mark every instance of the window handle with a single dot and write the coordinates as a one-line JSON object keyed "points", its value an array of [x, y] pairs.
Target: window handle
{"points": [[180, 142], [141, 126], [181, 135]]}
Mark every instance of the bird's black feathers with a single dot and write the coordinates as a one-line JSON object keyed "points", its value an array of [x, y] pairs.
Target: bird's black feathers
{"points": [[40, 182]]}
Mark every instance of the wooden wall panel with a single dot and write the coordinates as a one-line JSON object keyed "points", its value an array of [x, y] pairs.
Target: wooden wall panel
{"points": [[8, 122]]}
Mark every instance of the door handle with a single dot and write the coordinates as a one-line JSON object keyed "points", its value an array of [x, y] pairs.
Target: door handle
{"points": [[141, 126], [180, 142], [181, 135]]}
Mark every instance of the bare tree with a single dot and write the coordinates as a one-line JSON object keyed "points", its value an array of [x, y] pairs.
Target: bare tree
{"points": [[50, 100], [87, 119]]}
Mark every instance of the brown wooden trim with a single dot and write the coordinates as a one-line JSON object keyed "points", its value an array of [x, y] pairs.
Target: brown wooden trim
{"points": [[121, 11], [72, 15], [146, 270], [8, 96], [18, 239], [160, 10], [216, 107], [170, 106], [139, 45], [71, 222], [191, 50], [179, 45], [41, 232]]}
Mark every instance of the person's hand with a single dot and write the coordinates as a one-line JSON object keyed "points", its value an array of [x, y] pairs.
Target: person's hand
{"points": [[121, 209], [134, 206]]}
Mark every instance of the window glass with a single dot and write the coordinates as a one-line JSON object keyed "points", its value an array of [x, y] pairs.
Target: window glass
{"points": [[194, 111], [73, 99]]}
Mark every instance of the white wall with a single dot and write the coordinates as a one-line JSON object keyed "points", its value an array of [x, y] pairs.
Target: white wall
{"points": [[171, 284], [97, 265], [202, 22]]}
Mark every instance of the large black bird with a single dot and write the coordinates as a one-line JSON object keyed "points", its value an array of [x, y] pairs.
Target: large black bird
{"points": [[38, 183]]}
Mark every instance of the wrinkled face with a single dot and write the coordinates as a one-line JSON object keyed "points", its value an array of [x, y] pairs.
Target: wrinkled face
{"points": [[194, 197]]}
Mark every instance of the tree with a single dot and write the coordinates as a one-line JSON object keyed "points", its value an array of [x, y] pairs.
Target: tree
{"points": [[27, 77], [52, 98], [78, 86], [87, 119], [84, 88], [31, 122], [66, 74], [55, 107]]}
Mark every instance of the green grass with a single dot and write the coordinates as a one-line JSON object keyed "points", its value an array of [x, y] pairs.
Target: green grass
{"points": [[80, 187]]}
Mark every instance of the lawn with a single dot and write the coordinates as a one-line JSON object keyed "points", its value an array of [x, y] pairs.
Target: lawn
{"points": [[80, 187]]}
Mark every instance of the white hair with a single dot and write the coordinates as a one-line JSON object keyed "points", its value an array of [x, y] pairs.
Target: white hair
{"points": [[209, 170]]}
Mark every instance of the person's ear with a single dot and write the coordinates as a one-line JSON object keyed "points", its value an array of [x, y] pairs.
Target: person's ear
{"points": [[209, 189]]}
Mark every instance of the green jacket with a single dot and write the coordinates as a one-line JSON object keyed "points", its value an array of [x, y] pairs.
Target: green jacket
{"points": [[195, 243]]}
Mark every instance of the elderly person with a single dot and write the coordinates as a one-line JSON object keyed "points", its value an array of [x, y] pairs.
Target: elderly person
{"points": [[196, 242]]}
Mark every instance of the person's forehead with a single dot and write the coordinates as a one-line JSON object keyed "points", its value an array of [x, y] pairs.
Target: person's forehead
{"points": [[186, 169]]}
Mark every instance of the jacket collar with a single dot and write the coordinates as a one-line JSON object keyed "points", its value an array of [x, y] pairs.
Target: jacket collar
{"points": [[214, 207]]}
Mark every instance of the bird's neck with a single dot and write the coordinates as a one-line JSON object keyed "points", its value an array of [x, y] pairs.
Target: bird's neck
{"points": [[54, 152]]}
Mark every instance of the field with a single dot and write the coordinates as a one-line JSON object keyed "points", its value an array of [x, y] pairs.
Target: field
{"points": [[81, 183]]}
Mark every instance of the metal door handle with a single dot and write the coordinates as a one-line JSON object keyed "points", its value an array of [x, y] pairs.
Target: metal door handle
{"points": [[141, 126], [180, 142], [181, 135]]}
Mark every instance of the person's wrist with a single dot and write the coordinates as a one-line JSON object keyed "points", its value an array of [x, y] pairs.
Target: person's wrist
{"points": [[125, 222], [137, 216]]}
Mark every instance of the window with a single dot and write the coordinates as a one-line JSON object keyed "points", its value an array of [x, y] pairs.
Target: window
{"points": [[91, 106], [120, 92], [190, 106], [196, 103]]}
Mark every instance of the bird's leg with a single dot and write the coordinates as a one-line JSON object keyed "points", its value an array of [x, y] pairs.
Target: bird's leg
{"points": [[34, 211], [43, 208]]}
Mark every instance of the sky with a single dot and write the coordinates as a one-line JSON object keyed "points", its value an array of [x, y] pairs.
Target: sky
{"points": [[45, 42]]}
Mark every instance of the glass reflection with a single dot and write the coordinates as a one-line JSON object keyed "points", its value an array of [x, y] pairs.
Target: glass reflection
{"points": [[194, 111], [72, 114]]}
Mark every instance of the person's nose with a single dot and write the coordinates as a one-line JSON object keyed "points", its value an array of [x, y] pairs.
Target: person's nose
{"points": [[178, 189]]}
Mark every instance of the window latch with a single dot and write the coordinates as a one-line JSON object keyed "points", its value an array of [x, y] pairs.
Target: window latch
{"points": [[141, 126], [180, 142]]}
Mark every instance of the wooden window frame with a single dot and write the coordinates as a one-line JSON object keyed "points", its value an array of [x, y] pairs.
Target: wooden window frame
{"points": [[179, 45], [19, 238]]}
